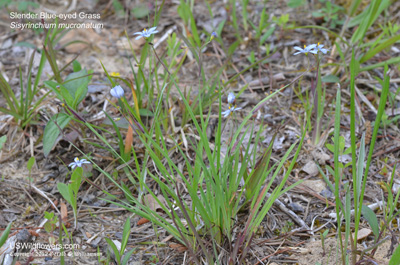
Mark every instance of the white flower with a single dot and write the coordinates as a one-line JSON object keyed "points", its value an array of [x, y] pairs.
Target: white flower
{"points": [[78, 163], [306, 49], [117, 91], [146, 33], [231, 98], [319, 48], [230, 109]]}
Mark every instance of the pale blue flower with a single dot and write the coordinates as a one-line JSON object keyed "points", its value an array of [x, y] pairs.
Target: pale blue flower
{"points": [[213, 35], [117, 91], [306, 49], [145, 33], [319, 48], [231, 98], [78, 163], [230, 110]]}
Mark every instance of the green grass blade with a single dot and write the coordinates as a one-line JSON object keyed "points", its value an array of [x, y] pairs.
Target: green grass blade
{"points": [[371, 53], [394, 60], [4, 235], [381, 109]]}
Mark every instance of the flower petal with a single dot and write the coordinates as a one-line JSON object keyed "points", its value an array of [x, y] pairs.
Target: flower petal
{"points": [[226, 113], [312, 46], [231, 98]]}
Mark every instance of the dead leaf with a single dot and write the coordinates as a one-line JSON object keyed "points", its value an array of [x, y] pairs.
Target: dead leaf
{"points": [[152, 203], [299, 250], [55, 203], [316, 185], [142, 221], [129, 139], [363, 233], [311, 168], [178, 247], [33, 233], [64, 212]]}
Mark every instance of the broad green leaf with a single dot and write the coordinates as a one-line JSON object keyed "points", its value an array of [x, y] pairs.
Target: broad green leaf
{"points": [[53, 86], [140, 11], [64, 191], [31, 161], [330, 79], [121, 123], [48, 215], [48, 227], [3, 139], [65, 94], [76, 180], [61, 92], [77, 85], [146, 113], [295, 3], [52, 131], [76, 66], [372, 220], [119, 8]]}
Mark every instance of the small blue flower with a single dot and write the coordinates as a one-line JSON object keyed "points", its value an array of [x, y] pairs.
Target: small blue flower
{"points": [[213, 35], [230, 110], [117, 91], [146, 33], [231, 98], [306, 49], [78, 163]]}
